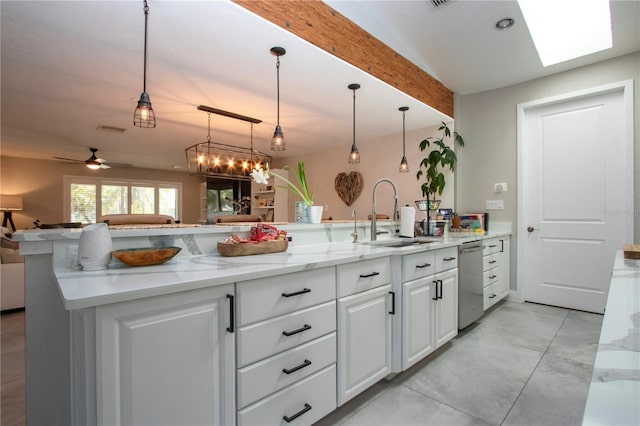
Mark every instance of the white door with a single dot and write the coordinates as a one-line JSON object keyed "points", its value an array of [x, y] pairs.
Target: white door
{"points": [[575, 206], [446, 307], [364, 341], [167, 360], [417, 317]]}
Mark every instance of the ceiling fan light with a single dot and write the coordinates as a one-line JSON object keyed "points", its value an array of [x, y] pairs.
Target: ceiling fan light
{"points": [[94, 165], [144, 116], [277, 141]]}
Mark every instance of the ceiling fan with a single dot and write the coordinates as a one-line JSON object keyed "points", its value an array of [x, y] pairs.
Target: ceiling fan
{"points": [[94, 162]]}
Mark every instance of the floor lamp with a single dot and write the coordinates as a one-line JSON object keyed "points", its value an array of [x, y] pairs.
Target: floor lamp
{"points": [[9, 203]]}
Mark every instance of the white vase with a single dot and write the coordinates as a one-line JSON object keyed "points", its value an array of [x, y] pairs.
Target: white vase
{"points": [[315, 214]]}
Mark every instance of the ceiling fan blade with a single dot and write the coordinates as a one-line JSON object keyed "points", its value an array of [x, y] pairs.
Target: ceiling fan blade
{"points": [[69, 159], [105, 166], [109, 163]]}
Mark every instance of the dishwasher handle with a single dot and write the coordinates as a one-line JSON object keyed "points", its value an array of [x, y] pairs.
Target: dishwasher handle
{"points": [[470, 249]]}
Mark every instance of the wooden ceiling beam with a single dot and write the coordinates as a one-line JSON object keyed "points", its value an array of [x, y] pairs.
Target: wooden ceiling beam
{"points": [[320, 25]]}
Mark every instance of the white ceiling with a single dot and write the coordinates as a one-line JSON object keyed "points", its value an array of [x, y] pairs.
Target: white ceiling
{"points": [[70, 66]]}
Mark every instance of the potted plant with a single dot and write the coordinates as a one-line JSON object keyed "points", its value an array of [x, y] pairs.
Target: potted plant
{"points": [[434, 164], [261, 176]]}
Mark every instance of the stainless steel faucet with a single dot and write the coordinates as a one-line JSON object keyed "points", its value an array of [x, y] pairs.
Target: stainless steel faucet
{"points": [[354, 234], [374, 232]]}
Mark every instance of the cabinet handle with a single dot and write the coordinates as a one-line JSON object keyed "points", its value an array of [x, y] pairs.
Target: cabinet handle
{"points": [[393, 302], [232, 315], [288, 419], [492, 277], [306, 363], [373, 274], [300, 330], [436, 284], [502, 248], [491, 261], [423, 265], [440, 282], [492, 296], [448, 259], [493, 245], [297, 293]]}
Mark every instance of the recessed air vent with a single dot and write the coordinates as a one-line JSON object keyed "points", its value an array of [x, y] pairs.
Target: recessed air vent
{"points": [[438, 3], [110, 129]]}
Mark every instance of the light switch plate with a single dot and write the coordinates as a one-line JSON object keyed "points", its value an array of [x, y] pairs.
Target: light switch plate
{"points": [[494, 205]]}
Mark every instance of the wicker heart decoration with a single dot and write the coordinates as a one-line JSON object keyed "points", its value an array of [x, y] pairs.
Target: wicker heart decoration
{"points": [[348, 186]]}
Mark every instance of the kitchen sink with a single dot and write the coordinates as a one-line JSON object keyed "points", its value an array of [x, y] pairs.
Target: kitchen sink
{"points": [[400, 242]]}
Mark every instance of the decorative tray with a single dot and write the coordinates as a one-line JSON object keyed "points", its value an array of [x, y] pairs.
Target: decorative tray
{"points": [[246, 249], [145, 256]]}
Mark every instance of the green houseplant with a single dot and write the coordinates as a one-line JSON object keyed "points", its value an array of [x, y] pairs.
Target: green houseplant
{"points": [[262, 176], [432, 166]]}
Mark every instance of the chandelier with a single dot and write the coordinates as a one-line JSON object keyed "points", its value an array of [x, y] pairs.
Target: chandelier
{"points": [[215, 159]]}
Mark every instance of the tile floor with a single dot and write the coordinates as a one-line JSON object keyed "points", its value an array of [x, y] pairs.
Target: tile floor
{"points": [[521, 364]]}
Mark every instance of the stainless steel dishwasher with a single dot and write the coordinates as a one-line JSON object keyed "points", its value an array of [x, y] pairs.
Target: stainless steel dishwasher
{"points": [[470, 285]]}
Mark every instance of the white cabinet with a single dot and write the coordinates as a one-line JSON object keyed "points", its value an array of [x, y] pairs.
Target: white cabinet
{"points": [[429, 304], [495, 262], [364, 325], [167, 360], [286, 348], [271, 201]]}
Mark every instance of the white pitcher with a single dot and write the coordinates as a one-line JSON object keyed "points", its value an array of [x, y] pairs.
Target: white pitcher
{"points": [[94, 249]]}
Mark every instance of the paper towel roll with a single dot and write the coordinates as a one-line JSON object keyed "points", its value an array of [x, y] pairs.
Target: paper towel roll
{"points": [[407, 219]]}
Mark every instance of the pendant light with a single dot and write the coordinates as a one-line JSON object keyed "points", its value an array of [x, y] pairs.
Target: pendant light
{"points": [[404, 165], [354, 155], [277, 141], [144, 116]]}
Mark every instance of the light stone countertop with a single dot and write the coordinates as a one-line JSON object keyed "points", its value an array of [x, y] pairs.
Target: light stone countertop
{"points": [[614, 394]]}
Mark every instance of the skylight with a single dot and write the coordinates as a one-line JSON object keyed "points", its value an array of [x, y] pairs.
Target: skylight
{"points": [[567, 29]]}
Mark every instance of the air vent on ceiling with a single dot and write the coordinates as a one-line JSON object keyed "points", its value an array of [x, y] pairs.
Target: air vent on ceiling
{"points": [[110, 129], [438, 3]]}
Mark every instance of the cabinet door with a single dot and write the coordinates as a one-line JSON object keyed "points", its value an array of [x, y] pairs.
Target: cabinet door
{"points": [[417, 317], [505, 259], [446, 307], [364, 341], [167, 360]]}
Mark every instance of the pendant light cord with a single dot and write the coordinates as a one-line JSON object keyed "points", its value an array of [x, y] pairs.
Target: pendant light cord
{"points": [[278, 87], [146, 18], [209, 127], [403, 133], [354, 116]]}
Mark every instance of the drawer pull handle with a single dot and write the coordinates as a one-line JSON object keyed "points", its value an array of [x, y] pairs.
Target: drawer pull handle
{"points": [[424, 265], [492, 296], [306, 363], [300, 330], [373, 274], [297, 293], [448, 259], [492, 277], [288, 419], [393, 302], [493, 245], [232, 315], [492, 261]]}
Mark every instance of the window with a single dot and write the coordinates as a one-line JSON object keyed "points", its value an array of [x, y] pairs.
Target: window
{"points": [[86, 199]]}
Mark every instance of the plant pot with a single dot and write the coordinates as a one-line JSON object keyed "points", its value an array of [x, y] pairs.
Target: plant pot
{"points": [[315, 214]]}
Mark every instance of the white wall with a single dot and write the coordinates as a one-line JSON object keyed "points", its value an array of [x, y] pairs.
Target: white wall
{"points": [[487, 121], [378, 158]]}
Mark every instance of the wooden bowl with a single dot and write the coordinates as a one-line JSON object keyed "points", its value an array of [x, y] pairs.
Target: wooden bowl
{"points": [[145, 256], [271, 246]]}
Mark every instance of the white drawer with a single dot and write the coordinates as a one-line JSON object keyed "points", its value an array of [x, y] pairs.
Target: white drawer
{"points": [[490, 261], [418, 265], [491, 246], [491, 276], [365, 275], [265, 298], [314, 397], [446, 259], [268, 376], [263, 339], [490, 296]]}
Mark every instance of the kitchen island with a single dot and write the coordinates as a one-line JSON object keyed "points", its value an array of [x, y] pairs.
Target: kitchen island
{"points": [[76, 319], [614, 394]]}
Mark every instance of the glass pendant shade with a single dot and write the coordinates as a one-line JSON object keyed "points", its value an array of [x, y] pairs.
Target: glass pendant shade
{"points": [[277, 141], [144, 115], [404, 165], [354, 155]]}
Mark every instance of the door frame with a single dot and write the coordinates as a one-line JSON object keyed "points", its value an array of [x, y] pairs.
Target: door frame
{"points": [[626, 86]]}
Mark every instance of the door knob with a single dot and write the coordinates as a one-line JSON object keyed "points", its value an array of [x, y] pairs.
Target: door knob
{"points": [[531, 229]]}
